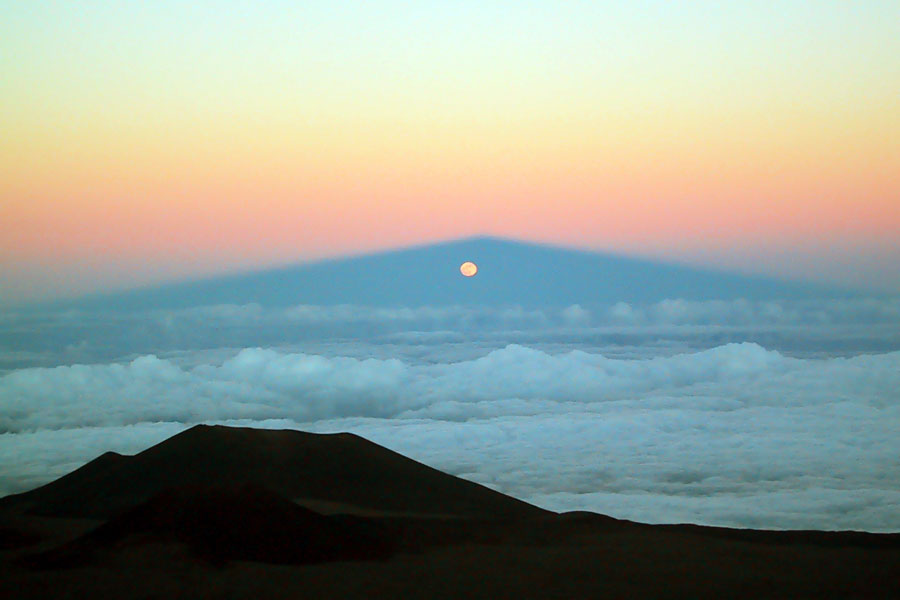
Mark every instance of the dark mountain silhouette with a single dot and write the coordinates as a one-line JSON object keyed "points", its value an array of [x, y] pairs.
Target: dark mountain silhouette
{"points": [[222, 523], [341, 469], [510, 273], [214, 512]]}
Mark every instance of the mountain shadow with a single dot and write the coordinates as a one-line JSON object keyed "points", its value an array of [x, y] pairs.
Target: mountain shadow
{"points": [[509, 273]]}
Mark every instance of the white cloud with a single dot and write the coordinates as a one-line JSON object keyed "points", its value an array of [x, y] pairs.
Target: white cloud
{"points": [[264, 383], [575, 315], [732, 435], [638, 411]]}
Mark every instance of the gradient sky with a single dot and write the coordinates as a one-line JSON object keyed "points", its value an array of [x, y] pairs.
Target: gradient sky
{"points": [[145, 141]]}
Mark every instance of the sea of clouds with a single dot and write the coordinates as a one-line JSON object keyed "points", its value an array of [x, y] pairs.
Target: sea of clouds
{"points": [[774, 415]]}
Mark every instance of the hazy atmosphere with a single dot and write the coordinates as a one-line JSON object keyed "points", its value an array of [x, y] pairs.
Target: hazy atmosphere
{"points": [[685, 221], [142, 142]]}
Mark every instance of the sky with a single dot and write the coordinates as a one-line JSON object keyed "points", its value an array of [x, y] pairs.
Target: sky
{"points": [[150, 141]]}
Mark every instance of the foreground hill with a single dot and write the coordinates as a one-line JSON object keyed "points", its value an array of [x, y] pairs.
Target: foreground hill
{"points": [[336, 470], [510, 273], [222, 523], [217, 512]]}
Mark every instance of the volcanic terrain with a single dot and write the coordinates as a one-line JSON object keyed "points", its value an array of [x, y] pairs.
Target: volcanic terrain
{"points": [[230, 513]]}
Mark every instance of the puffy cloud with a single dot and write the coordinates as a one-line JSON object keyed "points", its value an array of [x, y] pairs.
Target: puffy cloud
{"points": [[760, 414], [733, 435], [576, 315], [264, 383]]}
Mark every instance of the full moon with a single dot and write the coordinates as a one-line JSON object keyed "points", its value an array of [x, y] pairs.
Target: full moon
{"points": [[468, 269]]}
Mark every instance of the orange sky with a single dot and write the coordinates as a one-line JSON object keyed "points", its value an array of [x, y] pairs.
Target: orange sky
{"points": [[144, 147]]}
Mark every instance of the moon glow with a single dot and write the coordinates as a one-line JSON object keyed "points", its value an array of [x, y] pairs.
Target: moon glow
{"points": [[468, 269]]}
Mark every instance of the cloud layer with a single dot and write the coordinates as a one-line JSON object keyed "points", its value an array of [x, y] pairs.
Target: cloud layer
{"points": [[261, 383], [732, 435], [823, 327]]}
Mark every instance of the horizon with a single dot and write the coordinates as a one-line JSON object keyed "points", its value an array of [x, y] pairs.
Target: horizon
{"points": [[199, 278], [516, 261]]}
